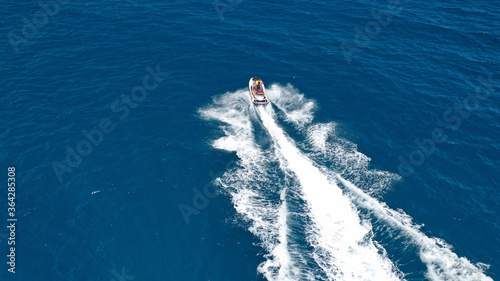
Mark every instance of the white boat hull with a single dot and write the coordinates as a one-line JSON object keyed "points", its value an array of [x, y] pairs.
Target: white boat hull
{"points": [[254, 97]]}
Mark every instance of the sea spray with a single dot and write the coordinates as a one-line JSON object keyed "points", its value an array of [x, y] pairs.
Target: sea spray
{"points": [[330, 180]]}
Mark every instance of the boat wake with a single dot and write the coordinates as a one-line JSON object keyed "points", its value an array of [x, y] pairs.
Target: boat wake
{"points": [[312, 200]]}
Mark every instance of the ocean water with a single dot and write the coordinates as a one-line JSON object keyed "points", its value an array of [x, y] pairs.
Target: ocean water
{"points": [[138, 155]]}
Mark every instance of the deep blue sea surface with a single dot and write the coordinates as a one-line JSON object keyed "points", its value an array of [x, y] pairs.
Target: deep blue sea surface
{"points": [[138, 155]]}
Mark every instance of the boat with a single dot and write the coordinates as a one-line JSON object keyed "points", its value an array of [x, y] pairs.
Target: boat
{"points": [[257, 97]]}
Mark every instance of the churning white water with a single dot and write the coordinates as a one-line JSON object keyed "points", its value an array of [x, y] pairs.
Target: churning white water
{"points": [[340, 244]]}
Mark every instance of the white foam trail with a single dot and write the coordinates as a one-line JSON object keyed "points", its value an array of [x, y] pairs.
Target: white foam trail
{"points": [[343, 155], [343, 158], [342, 247], [248, 185], [284, 268], [441, 262], [318, 135], [342, 244], [298, 110]]}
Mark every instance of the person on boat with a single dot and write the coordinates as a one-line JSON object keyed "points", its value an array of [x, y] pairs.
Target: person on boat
{"points": [[259, 89]]}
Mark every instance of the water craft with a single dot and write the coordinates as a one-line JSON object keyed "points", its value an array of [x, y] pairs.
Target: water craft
{"points": [[257, 91]]}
